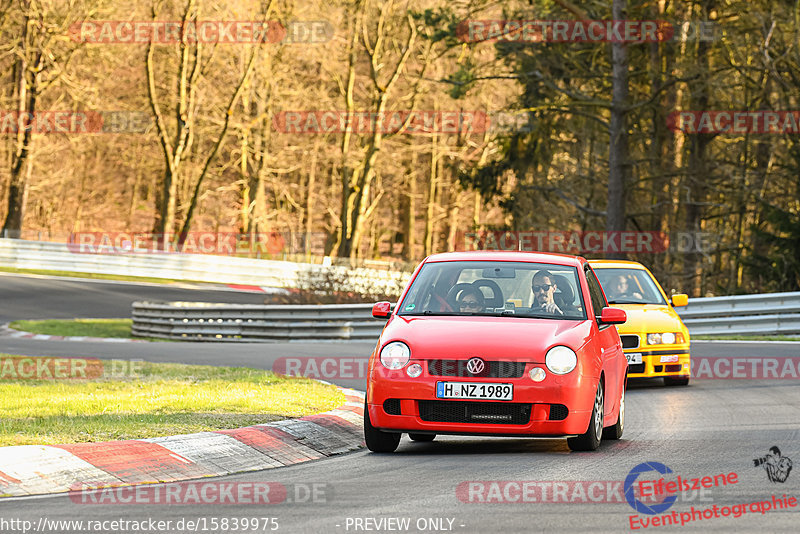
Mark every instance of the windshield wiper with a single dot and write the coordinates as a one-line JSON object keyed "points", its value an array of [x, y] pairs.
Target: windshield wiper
{"points": [[539, 316]]}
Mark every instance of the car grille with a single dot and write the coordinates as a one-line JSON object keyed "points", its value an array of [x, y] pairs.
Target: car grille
{"points": [[392, 406], [497, 413], [674, 368], [636, 368], [657, 368], [629, 342], [558, 412], [492, 369]]}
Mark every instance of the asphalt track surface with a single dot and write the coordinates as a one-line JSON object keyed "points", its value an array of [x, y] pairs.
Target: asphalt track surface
{"points": [[708, 428]]}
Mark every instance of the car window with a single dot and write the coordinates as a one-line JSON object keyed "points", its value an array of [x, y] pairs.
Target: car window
{"points": [[629, 286], [493, 288], [595, 292]]}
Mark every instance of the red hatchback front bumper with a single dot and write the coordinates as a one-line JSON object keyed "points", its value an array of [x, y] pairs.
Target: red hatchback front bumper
{"points": [[557, 406]]}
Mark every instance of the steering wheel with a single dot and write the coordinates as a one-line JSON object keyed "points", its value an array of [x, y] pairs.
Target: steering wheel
{"points": [[497, 300], [453, 293]]}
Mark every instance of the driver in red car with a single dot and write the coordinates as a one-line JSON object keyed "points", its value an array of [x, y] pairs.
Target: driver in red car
{"points": [[544, 288]]}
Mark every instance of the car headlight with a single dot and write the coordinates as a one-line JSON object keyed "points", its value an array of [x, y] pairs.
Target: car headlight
{"points": [[395, 355], [666, 338], [561, 360]]}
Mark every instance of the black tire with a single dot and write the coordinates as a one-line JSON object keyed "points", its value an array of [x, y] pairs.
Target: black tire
{"points": [[590, 440], [615, 431], [422, 437], [673, 381], [378, 440]]}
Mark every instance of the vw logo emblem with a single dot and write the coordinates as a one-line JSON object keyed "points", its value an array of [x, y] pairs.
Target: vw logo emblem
{"points": [[475, 366]]}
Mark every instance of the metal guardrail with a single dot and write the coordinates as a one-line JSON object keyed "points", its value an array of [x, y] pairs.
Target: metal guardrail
{"points": [[771, 313], [197, 321], [193, 267]]}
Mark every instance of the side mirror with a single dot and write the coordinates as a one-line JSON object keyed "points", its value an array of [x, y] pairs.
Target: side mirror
{"points": [[382, 310], [680, 299], [613, 316]]}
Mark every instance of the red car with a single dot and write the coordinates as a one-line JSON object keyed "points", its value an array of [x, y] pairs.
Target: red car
{"points": [[498, 344]]}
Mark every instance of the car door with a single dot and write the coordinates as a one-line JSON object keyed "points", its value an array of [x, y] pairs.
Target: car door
{"points": [[609, 342]]}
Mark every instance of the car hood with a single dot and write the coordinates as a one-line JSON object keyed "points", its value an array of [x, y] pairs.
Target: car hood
{"points": [[649, 318], [493, 338]]}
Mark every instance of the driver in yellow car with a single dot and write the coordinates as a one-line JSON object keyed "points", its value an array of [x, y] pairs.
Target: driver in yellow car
{"points": [[619, 289]]}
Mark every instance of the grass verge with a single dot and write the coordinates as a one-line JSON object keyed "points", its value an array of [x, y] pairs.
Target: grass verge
{"points": [[748, 338], [145, 400], [77, 327]]}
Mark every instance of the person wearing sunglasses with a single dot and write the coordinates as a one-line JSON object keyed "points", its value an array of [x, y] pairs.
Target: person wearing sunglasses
{"points": [[544, 287], [471, 301]]}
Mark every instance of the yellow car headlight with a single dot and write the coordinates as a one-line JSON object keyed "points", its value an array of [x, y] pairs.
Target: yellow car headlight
{"points": [[665, 338]]}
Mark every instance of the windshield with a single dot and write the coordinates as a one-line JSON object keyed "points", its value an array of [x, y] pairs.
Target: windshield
{"points": [[495, 288], [629, 286]]}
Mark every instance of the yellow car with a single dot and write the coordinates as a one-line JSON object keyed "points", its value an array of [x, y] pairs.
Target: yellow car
{"points": [[654, 339]]}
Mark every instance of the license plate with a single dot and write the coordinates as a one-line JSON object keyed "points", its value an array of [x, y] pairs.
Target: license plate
{"points": [[474, 390], [634, 357]]}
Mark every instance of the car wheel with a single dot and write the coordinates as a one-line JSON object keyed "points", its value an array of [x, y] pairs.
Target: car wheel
{"points": [[590, 440], [422, 437], [615, 432], [378, 440], [670, 381]]}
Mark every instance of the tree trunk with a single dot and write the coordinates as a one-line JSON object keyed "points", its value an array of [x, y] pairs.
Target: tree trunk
{"points": [[356, 187], [309, 208], [342, 246], [26, 92], [409, 215], [618, 164], [174, 146], [698, 172], [432, 185]]}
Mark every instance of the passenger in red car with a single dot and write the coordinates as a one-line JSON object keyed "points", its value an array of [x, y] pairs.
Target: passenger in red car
{"points": [[471, 301]]}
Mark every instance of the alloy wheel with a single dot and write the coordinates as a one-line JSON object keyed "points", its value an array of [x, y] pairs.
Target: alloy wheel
{"points": [[598, 410]]}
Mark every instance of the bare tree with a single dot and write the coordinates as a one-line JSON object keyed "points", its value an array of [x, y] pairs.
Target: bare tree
{"points": [[41, 58], [618, 163], [356, 184]]}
